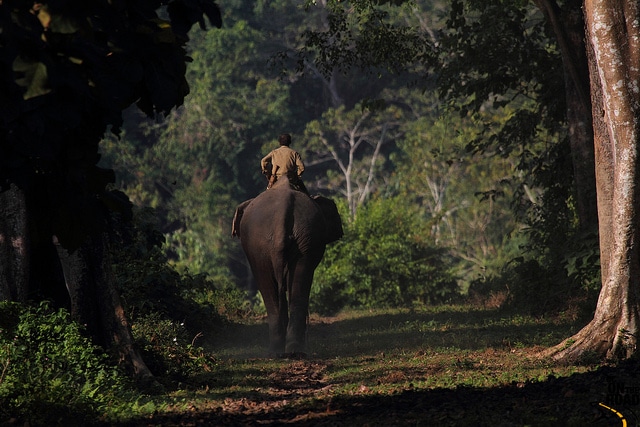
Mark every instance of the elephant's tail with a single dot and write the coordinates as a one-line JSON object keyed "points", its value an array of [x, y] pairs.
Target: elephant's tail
{"points": [[282, 273], [237, 217]]}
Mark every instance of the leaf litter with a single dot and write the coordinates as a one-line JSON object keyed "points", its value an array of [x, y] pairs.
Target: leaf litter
{"points": [[426, 387]]}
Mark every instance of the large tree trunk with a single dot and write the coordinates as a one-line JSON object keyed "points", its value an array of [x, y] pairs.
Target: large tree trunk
{"points": [[30, 266], [96, 303], [614, 43], [14, 245]]}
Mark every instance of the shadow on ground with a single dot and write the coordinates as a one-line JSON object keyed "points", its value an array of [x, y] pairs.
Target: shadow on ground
{"points": [[298, 392], [571, 401]]}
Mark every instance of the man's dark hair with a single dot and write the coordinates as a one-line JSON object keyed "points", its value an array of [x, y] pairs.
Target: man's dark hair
{"points": [[284, 139]]}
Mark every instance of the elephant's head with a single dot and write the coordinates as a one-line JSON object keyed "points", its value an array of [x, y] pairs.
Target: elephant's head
{"points": [[331, 217]]}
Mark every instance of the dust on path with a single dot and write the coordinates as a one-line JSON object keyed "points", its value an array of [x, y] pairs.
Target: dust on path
{"points": [[303, 392]]}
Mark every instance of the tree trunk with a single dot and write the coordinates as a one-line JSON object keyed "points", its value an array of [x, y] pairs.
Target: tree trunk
{"points": [[14, 245], [29, 269], [96, 303], [614, 47]]}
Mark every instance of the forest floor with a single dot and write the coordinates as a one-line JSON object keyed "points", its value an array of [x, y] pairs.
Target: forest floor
{"points": [[450, 366]]}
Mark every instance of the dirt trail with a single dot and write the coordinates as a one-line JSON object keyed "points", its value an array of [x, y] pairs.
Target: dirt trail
{"points": [[304, 392]]}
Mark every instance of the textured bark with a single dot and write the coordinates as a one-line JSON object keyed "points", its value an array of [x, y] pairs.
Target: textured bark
{"points": [[14, 245], [96, 303], [30, 266], [614, 42]]}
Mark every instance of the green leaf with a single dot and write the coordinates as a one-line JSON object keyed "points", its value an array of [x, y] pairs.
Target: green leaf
{"points": [[32, 76]]}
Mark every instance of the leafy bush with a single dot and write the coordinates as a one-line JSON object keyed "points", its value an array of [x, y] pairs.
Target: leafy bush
{"points": [[531, 286], [148, 283], [50, 374], [383, 260], [168, 348]]}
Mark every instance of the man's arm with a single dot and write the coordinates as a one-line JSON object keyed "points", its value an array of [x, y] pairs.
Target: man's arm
{"points": [[300, 164], [265, 162]]}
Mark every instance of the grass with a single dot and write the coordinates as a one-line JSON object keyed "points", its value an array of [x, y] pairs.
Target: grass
{"points": [[391, 367], [433, 347]]}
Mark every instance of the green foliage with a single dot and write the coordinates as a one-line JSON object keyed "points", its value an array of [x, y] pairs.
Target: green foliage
{"points": [[465, 196], [68, 71], [170, 311], [202, 160], [151, 285], [497, 64], [560, 262], [50, 374], [365, 35], [383, 260], [169, 350], [527, 279], [461, 173], [497, 53]]}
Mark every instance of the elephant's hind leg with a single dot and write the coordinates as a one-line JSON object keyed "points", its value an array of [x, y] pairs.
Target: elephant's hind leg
{"points": [[299, 311], [275, 302]]}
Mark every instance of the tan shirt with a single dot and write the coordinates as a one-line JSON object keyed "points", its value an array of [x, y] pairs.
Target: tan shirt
{"points": [[284, 161]]}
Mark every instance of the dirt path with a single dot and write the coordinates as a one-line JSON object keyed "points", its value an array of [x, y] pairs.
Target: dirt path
{"points": [[253, 391]]}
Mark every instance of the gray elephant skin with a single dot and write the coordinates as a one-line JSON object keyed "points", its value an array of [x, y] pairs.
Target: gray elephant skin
{"points": [[284, 233]]}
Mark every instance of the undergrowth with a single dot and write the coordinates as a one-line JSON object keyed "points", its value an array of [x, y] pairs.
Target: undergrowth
{"points": [[50, 374], [61, 378]]}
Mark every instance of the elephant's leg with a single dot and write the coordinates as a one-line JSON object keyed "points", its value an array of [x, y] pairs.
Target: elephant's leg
{"points": [[299, 290], [277, 318]]}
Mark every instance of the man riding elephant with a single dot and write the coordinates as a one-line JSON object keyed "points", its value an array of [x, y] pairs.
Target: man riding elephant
{"points": [[284, 233], [284, 162]]}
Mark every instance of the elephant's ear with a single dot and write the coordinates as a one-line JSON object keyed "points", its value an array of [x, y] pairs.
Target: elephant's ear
{"points": [[237, 217], [331, 217]]}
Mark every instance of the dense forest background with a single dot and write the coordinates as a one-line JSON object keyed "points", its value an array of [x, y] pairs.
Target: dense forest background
{"points": [[445, 130], [444, 195]]}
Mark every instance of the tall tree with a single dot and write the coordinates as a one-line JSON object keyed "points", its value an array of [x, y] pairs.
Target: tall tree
{"points": [[465, 197], [67, 70], [567, 24], [498, 53], [613, 38], [355, 141]]}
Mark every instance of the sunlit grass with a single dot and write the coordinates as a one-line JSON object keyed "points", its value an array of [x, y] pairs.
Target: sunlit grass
{"points": [[375, 353], [394, 350]]}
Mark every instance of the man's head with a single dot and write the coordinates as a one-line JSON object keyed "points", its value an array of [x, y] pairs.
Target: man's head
{"points": [[284, 139]]}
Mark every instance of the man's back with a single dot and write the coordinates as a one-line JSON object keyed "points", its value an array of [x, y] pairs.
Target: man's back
{"points": [[286, 162]]}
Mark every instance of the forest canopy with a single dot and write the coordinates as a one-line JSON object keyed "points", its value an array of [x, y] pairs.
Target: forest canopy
{"points": [[476, 148]]}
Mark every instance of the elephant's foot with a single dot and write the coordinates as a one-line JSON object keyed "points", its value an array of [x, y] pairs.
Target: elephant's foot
{"points": [[298, 355], [272, 355]]}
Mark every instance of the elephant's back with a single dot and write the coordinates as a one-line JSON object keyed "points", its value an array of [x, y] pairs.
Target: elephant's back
{"points": [[280, 215]]}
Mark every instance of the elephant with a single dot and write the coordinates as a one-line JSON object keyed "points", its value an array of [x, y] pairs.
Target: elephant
{"points": [[283, 233]]}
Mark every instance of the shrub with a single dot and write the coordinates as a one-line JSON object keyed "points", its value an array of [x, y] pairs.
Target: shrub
{"points": [[533, 287], [170, 311], [383, 260], [50, 374], [169, 350]]}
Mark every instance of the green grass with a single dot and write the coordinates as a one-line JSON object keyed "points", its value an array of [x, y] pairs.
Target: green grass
{"points": [[392, 362], [433, 347]]}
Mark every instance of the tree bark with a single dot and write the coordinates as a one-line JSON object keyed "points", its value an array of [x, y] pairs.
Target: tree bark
{"points": [[96, 303], [614, 43], [14, 245]]}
